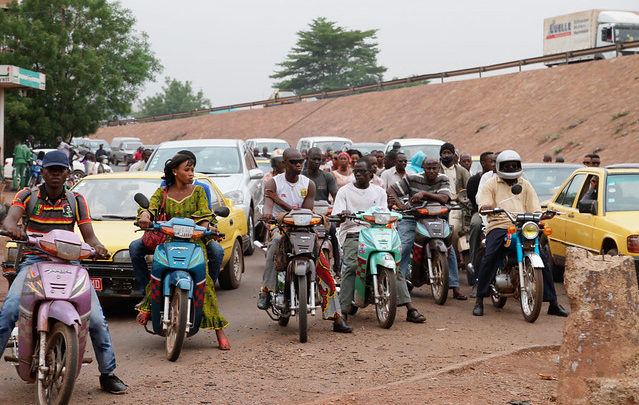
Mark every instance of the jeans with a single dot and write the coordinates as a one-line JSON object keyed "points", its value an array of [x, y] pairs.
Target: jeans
{"points": [[98, 329], [269, 278], [406, 231], [137, 251]]}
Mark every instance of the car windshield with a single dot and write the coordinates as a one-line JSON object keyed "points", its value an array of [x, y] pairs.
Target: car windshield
{"points": [[621, 192], [367, 148], [117, 202], [334, 145], [546, 180], [431, 151], [210, 159], [271, 146]]}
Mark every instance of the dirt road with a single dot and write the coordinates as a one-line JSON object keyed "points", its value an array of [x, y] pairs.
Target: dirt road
{"points": [[452, 358]]}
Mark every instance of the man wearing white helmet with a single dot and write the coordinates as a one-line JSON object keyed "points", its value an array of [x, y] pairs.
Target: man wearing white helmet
{"points": [[497, 193]]}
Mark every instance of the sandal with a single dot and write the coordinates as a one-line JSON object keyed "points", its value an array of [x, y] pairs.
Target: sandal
{"points": [[142, 318], [223, 344], [413, 315], [459, 296]]}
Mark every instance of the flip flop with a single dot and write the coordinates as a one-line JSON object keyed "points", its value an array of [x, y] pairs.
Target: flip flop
{"points": [[460, 297], [223, 344], [142, 318]]}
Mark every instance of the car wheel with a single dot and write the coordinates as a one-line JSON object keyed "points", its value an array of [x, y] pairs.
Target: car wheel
{"points": [[231, 276], [251, 233]]}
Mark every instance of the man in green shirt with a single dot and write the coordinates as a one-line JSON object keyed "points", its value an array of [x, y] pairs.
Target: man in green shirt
{"points": [[22, 158]]}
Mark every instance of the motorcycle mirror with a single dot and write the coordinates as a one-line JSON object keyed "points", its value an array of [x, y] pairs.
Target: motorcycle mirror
{"points": [[142, 200], [516, 189], [222, 212]]}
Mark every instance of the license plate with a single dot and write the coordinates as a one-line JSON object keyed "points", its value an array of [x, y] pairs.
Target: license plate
{"points": [[97, 284]]}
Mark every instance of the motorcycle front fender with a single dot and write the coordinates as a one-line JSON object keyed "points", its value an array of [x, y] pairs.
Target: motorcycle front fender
{"points": [[383, 259], [63, 311], [179, 279], [535, 260], [437, 244]]}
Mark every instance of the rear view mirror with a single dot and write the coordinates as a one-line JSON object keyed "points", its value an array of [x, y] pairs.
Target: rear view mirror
{"points": [[516, 189], [141, 200], [256, 174], [587, 207], [222, 212]]}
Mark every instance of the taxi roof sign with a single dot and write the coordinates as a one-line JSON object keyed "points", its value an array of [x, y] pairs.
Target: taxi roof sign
{"points": [[14, 77]]}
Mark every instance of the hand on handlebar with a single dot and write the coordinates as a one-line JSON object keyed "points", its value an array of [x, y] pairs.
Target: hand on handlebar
{"points": [[415, 199], [144, 221], [101, 252], [16, 232], [267, 217]]}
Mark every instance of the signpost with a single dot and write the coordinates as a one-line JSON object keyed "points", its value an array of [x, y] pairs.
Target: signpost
{"points": [[13, 77]]}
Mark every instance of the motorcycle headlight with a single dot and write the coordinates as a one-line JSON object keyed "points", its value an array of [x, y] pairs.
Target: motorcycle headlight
{"points": [[236, 196], [122, 257], [302, 220], [12, 254], [183, 231], [530, 230], [382, 218]]}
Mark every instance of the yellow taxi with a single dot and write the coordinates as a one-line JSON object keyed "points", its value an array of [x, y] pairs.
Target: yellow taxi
{"points": [[113, 211], [601, 214]]}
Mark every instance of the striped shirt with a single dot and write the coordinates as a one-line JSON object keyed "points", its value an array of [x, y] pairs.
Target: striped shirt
{"points": [[48, 215], [415, 183]]}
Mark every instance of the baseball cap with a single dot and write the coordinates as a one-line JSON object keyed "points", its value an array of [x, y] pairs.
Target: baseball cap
{"points": [[55, 158]]}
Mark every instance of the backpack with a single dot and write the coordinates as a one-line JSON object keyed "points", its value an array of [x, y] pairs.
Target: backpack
{"points": [[73, 202]]}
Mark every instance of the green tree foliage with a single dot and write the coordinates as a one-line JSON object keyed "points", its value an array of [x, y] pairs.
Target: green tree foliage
{"points": [[175, 97], [95, 65], [329, 57]]}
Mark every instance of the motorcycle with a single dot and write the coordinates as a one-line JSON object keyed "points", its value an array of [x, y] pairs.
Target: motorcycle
{"points": [[295, 293], [433, 238], [463, 243], [520, 274], [178, 277], [55, 308], [378, 257]]}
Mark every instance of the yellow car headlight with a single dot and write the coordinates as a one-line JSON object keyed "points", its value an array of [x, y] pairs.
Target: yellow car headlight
{"points": [[530, 230]]}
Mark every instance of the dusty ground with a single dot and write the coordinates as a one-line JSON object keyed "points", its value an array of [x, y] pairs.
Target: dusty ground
{"points": [[568, 110]]}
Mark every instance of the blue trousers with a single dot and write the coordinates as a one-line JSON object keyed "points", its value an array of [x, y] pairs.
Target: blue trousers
{"points": [[98, 328], [137, 251]]}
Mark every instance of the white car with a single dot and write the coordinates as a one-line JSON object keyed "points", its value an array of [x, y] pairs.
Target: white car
{"points": [[270, 143], [231, 166], [336, 143], [8, 165], [410, 146]]}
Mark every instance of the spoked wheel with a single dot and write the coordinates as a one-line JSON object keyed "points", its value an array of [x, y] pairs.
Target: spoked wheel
{"points": [[498, 301], [439, 286], [176, 331], [302, 301], [61, 360], [532, 295], [386, 303]]}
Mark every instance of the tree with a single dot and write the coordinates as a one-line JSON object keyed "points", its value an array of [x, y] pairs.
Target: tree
{"points": [[328, 57], [95, 65], [175, 97]]}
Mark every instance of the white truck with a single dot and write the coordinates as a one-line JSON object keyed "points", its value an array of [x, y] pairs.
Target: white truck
{"points": [[590, 29]]}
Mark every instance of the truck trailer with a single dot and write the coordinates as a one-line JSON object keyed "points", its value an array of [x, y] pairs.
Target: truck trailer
{"points": [[590, 29]]}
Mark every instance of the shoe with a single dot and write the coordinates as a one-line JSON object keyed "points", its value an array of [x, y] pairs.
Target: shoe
{"points": [[413, 315], [479, 309], [264, 300], [340, 325], [558, 310], [112, 384], [223, 344]]}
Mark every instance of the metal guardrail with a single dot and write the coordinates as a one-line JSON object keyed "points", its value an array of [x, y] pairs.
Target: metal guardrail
{"points": [[563, 57]]}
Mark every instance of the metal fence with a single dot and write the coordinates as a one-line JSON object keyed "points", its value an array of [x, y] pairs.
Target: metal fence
{"points": [[558, 57]]}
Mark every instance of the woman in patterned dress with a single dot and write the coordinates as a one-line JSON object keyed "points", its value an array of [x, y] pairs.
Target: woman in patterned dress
{"points": [[184, 199]]}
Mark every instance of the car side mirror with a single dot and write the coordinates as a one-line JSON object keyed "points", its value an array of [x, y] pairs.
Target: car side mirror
{"points": [[141, 200], [587, 207], [222, 212], [256, 174]]}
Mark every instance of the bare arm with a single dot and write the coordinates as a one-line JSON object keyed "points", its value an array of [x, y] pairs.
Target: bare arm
{"points": [[10, 223], [309, 200], [269, 194], [425, 195]]}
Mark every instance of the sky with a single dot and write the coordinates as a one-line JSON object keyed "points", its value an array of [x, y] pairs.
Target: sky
{"points": [[228, 49]]}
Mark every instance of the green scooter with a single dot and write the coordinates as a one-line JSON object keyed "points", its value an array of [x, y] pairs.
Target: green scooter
{"points": [[378, 256]]}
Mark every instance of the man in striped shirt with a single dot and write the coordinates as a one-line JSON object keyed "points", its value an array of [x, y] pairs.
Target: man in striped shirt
{"points": [[57, 208], [428, 186]]}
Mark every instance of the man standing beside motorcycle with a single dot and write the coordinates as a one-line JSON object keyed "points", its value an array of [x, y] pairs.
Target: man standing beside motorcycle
{"points": [[282, 193], [433, 186], [496, 193], [354, 197], [53, 210]]}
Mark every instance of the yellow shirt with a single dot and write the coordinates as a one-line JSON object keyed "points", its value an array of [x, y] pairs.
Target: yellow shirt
{"points": [[497, 194]]}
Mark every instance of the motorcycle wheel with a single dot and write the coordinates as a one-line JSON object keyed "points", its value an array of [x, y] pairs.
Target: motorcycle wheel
{"points": [[302, 302], [531, 298], [498, 301], [283, 320], [231, 275], [177, 324], [61, 360], [439, 286], [386, 306]]}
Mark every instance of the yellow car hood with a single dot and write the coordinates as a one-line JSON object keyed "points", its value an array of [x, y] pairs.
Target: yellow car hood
{"points": [[115, 235]]}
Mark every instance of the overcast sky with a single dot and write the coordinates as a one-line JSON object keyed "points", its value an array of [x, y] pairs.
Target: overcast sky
{"points": [[229, 48]]}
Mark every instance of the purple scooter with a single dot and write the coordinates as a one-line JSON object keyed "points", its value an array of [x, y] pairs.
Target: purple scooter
{"points": [[53, 324]]}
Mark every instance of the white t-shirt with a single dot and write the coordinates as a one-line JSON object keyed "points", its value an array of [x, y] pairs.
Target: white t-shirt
{"points": [[293, 194], [66, 148], [484, 178], [353, 199]]}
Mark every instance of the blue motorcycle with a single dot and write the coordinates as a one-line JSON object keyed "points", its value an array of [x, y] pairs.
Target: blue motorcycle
{"points": [[178, 278]]}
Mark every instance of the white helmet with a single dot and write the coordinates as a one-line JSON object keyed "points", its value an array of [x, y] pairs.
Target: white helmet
{"points": [[508, 156]]}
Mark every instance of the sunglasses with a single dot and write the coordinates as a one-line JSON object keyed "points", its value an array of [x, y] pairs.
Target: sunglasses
{"points": [[296, 161], [402, 161]]}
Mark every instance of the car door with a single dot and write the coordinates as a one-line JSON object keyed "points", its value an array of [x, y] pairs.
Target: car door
{"points": [[582, 225], [255, 185], [564, 203]]}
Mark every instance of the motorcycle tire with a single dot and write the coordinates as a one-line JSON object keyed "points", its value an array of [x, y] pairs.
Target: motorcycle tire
{"points": [[439, 287], [177, 324], [302, 305], [531, 299], [283, 320], [61, 359], [386, 306]]}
